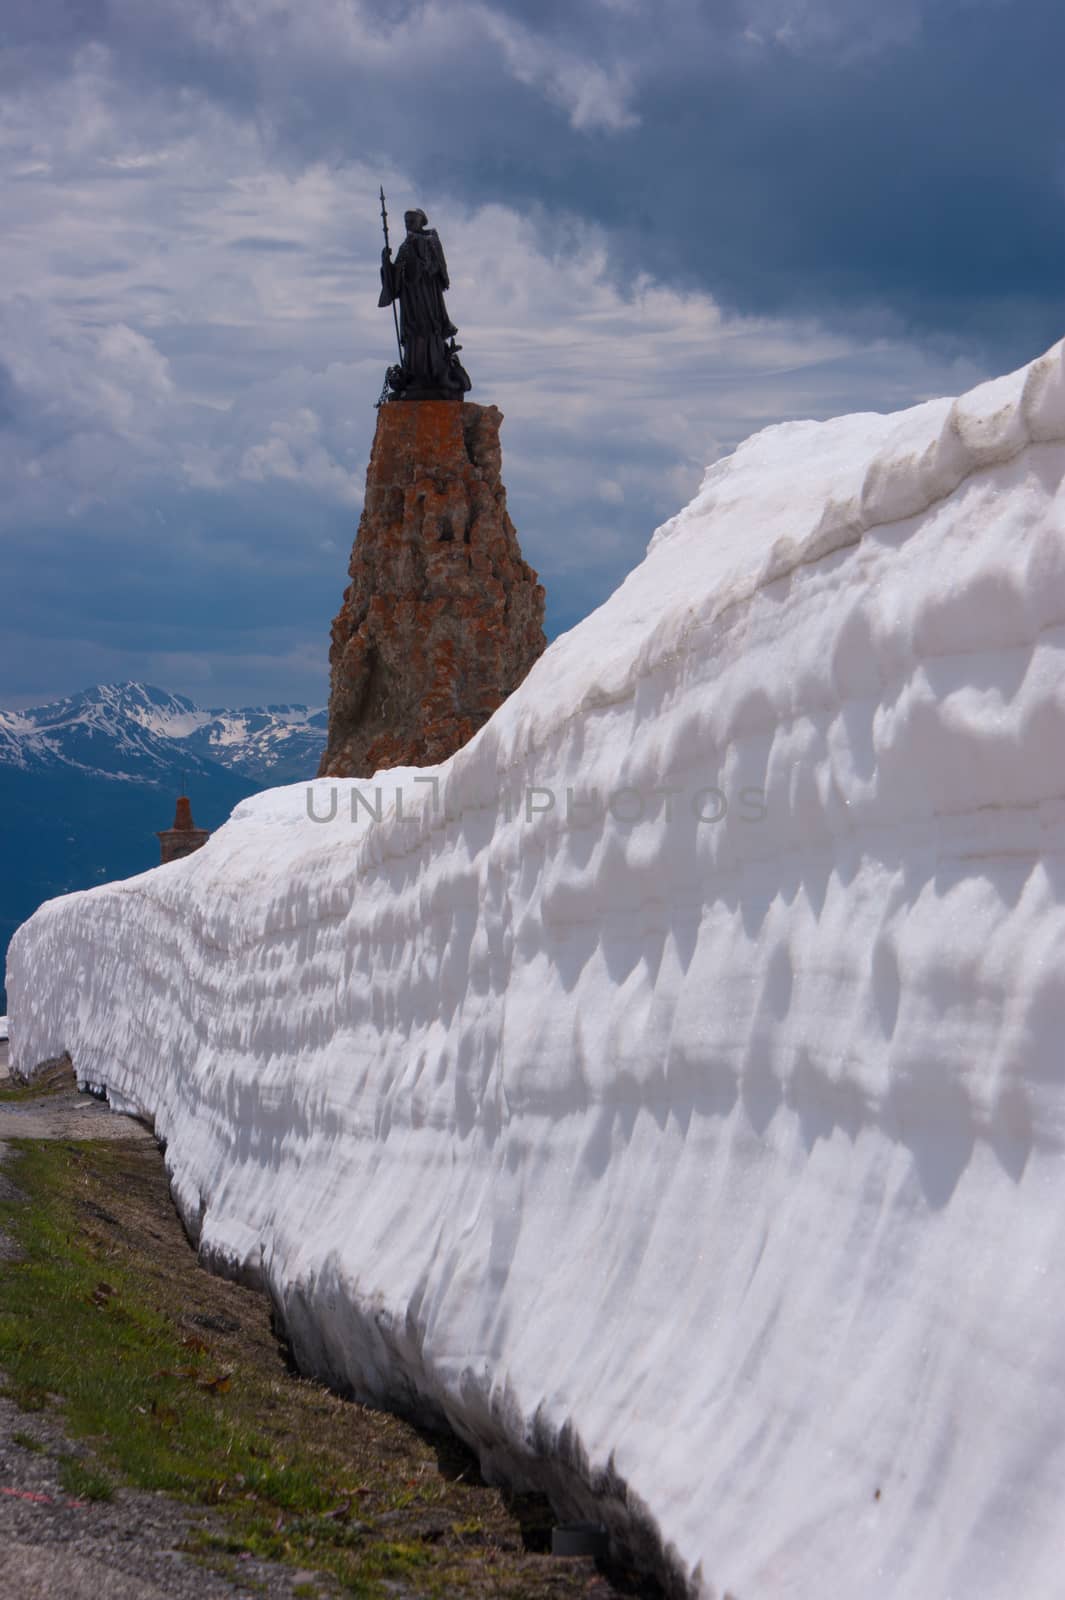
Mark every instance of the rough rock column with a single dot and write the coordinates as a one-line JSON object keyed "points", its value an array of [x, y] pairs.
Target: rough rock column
{"points": [[443, 617]]}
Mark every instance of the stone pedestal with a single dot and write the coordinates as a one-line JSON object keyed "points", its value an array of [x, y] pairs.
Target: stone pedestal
{"points": [[442, 618]]}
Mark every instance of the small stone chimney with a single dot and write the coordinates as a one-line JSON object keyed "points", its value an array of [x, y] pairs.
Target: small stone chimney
{"points": [[184, 837]]}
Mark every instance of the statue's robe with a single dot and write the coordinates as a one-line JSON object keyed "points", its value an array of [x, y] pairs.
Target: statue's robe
{"points": [[417, 279]]}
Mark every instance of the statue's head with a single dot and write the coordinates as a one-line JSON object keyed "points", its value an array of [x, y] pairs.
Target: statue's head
{"points": [[415, 220]]}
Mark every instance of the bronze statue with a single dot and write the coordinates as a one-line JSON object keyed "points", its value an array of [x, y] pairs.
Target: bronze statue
{"points": [[429, 367]]}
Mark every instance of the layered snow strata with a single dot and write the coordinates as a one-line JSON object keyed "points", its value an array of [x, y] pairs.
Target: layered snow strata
{"points": [[677, 1105]]}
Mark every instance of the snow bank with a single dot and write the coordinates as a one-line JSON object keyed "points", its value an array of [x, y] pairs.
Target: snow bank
{"points": [[701, 1149]]}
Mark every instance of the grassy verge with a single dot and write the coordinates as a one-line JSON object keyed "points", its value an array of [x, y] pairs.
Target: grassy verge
{"points": [[14, 1093], [175, 1380]]}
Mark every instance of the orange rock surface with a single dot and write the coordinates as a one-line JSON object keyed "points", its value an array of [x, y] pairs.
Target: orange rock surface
{"points": [[443, 617]]}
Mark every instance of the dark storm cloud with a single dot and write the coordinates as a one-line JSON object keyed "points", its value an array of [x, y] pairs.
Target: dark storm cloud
{"points": [[256, 242], [837, 159], [191, 344], [925, 179], [208, 594], [8, 396]]}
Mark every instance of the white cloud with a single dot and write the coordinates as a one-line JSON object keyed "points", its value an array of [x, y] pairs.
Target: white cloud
{"points": [[833, 28], [593, 96], [182, 314], [294, 451]]}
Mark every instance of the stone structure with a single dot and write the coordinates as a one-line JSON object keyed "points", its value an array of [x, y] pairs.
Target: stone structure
{"points": [[184, 837], [443, 618]]}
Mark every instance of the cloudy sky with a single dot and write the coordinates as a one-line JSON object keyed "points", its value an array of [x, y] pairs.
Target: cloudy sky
{"points": [[668, 222]]}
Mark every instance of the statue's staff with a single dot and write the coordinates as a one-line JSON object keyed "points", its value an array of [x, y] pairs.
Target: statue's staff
{"points": [[388, 257]]}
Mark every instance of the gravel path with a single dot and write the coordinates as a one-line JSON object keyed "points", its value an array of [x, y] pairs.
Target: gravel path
{"points": [[128, 1549]]}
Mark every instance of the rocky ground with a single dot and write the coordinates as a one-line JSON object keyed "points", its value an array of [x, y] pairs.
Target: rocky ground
{"points": [[132, 1548], [411, 1515]]}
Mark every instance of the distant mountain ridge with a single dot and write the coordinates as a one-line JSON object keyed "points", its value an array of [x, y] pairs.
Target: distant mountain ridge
{"points": [[135, 732], [86, 782]]}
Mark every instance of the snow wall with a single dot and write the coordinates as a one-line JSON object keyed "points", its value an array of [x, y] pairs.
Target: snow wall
{"points": [[700, 1151]]}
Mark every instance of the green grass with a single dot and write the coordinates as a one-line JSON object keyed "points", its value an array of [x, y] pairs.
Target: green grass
{"points": [[83, 1481], [161, 1412], [99, 1313], [26, 1441], [16, 1093]]}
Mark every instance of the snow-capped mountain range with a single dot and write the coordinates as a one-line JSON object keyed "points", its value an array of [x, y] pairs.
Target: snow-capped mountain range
{"points": [[86, 782], [137, 732]]}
